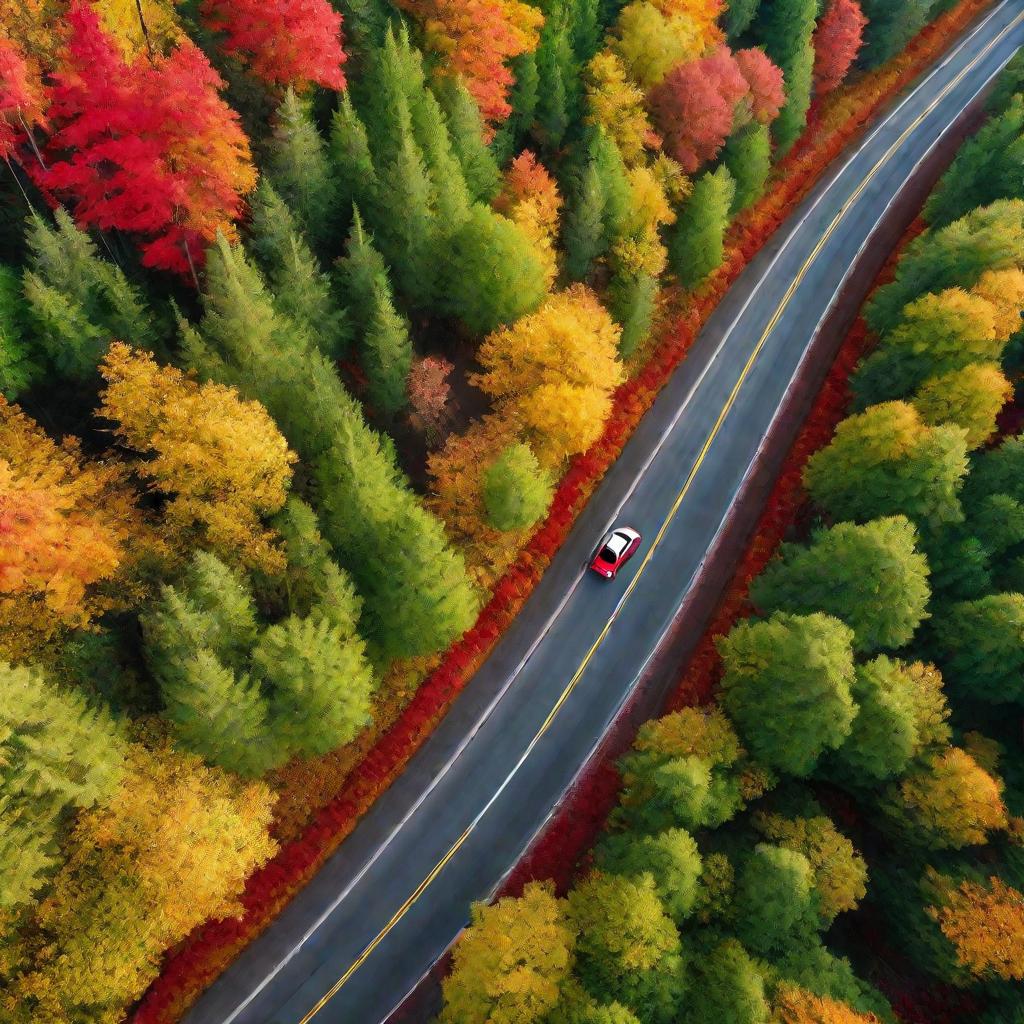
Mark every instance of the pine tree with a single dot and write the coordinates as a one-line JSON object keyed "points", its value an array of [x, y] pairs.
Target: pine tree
{"points": [[416, 594], [77, 303], [697, 244], [583, 235], [299, 170], [17, 368], [385, 345], [55, 753], [632, 298], [302, 291], [517, 490], [479, 167], [786, 28], [353, 172], [557, 88], [890, 27], [739, 16], [748, 155], [319, 680]]}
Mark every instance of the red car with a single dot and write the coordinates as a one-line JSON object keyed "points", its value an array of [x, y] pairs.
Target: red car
{"points": [[617, 548]]}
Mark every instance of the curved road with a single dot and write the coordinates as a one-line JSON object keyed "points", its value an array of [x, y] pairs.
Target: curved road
{"points": [[355, 941]]}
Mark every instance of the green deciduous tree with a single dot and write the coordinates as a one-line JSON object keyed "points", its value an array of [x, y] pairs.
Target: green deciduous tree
{"points": [[697, 243], [885, 461], [871, 576], [728, 986], [936, 334], [787, 684], [628, 949], [517, 489], [990, 238], [670, 857], [981, 644], [775, 899]]}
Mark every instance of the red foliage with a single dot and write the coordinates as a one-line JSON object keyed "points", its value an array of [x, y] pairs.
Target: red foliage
{"points": [[212, 947], [21, 97], [694, 107], [148, 148], [765, 83], [429, 389], [285, 42], [837, 41], [526, 176]]}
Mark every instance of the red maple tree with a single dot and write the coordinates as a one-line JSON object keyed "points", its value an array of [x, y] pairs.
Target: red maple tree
{"points": [[837, 41], [765, 82], [285, 42], [147, 147], [694, 107]]}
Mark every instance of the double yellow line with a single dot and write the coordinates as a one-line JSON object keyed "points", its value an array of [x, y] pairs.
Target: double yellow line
{"points": [[726, 408]]}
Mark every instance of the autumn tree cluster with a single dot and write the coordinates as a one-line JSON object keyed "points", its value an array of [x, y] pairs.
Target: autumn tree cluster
{"points": [[305, 308], [875, 681]]}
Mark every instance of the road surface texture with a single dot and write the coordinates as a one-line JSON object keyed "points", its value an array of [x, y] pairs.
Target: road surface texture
{"points": [[381, 911]]}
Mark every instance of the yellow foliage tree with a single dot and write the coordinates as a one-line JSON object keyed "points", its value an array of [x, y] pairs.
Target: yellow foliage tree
{"points": [[172, 848], [136, 31], [220, 459], [617, 105], [529, 197], [33, 25], [553, 373], [985, 924], [1004, 290], [72, 535], [511, 964], [650, 42], [971, 397], [641, 250], [950, 801], [794, 1005]]}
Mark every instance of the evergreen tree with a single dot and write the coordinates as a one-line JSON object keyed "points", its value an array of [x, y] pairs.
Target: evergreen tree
{"points": [[524, 98], [871, 576], [56, 753], [319, 682], [77, 303], [697, 245], [355, 178], [385, 345], [748, 155], [17, 370], [465, 125], [786, 27], [987, 167], [631, 300], [492, 275], [300, 171], [890, 27], [302, 291], [557, 84], [414, 586], [740, 16], [583, 234], [786, 684], [516, 489]]}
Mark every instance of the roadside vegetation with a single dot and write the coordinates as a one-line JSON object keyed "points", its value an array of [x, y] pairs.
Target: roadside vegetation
{"points": [[304, 312], [852, 802]]}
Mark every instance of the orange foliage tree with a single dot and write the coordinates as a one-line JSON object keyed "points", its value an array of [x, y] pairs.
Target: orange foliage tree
{"points": [[21, 97], [798, 1006], [530, 198], [476, 39]]}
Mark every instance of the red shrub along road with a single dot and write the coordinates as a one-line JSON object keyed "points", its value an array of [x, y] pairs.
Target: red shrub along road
{"points": [[833, 124]]}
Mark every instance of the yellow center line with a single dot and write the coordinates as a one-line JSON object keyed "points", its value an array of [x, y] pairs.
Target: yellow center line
{"points": [[726, 408]]}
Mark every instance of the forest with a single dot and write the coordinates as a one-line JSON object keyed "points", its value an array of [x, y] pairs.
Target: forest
{"points": [[842, 827], [306, 307]]}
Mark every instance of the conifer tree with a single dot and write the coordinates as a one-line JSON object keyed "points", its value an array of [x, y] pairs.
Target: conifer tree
{"points": [[416, 594], [55, 753], [786, 27], [301, 290], [517, 490], [631, 300], [78, 303], [697, 244], [739, 16], [584, 236], [17, 369], [355, 178], [557, 84], [748, 155], [299, 169], [384, 343], [466, 128], [890, 27]]}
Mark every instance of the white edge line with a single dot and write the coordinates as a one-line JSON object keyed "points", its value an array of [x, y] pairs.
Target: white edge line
{"points": [[496, 700]]}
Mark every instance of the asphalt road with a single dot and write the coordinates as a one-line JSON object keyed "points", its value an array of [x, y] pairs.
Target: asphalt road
{"points": [[354, 942]]}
